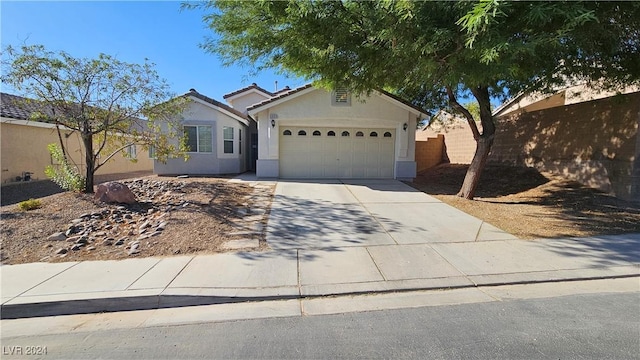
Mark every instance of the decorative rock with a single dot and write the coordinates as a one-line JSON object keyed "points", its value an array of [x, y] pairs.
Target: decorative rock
{"points": [[57, 237], [119, 242], [91, 248], [128, 216], [115, 192], [108, 242], [76, 247], [48, 246], [144, 225]]}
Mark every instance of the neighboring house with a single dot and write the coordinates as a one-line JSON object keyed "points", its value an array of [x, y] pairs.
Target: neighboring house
{"points": [[591, 137], [584, 135], [24, 145], [302, 133]]}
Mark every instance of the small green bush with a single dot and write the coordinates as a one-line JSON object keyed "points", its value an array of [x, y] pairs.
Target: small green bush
{"points": [[63, 174], [30, 204]]}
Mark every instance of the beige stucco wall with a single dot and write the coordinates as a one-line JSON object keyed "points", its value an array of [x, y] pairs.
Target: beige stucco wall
{"points": [[24, 148], [567, 96], [242, 101]]}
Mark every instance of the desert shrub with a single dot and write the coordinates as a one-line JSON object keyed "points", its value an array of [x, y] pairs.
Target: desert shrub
{"points": [[30, 204], [63, 174]]}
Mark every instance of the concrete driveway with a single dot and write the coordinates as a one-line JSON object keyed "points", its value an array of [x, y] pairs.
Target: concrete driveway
{"points": [[335, 214]]}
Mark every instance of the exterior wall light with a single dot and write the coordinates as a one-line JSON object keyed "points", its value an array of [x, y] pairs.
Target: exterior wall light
{"points": [[273, 123], [405, 126]]}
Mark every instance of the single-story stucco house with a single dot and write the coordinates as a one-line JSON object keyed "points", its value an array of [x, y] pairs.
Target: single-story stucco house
{"points": [[299, 133], [24, 153]]}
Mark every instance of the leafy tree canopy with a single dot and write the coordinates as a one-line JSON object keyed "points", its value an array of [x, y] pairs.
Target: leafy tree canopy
{"points": [[112, 104], [434, 52]]}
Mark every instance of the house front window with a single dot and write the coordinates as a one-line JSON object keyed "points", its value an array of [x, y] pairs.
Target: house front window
{"points": [[199, 139], [131, 151], [227, 137]]}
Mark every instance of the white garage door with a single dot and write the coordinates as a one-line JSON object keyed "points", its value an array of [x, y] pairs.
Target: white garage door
{"points": [[335, 153]]}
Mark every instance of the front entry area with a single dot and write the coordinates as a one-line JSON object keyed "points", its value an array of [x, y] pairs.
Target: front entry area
{"points": [[336, 153]]}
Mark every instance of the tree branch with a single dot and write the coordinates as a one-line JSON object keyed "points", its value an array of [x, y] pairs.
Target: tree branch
{"points": [[99, 165], [472, 123]]}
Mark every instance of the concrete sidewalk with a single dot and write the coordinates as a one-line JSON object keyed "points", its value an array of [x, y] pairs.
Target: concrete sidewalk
{"points": [[328, 238]]}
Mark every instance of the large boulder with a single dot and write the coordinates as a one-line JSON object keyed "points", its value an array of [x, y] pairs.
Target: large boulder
{"points": [[115, 192]]}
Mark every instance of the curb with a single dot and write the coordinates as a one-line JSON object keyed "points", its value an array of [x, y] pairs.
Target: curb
{"points": [[161, 301]]}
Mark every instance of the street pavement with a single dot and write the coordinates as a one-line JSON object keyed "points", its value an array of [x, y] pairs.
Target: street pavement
{"points": [[326, 238]]}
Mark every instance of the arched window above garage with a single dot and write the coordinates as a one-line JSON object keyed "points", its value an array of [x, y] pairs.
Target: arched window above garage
{"points": [[373, 134], [345, 133], [359, 134], [331, 133], [316, 133], [286, 132], [302, 133], [387, 134]]}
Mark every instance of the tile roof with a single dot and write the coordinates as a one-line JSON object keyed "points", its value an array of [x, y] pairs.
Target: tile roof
{"points": [[194, 93], [279, 96], [252, 86], [285, 89], [20, 108]]}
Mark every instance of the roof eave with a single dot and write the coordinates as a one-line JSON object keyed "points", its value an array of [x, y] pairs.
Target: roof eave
{"points": [[243, 120]]}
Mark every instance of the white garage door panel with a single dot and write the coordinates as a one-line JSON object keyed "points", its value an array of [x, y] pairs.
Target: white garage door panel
{"points": [[339, 156]]}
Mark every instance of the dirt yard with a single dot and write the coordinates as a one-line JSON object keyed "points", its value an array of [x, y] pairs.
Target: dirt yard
{"points": [[201, 215], [529, 204], [173, 216]]}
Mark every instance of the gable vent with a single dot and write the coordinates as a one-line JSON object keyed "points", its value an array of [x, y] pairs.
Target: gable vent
{"points": [[341, 97]]}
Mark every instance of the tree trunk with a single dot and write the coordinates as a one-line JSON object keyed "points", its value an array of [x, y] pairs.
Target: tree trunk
{"points": [[483, 147], [472, 178], [87, 139]]}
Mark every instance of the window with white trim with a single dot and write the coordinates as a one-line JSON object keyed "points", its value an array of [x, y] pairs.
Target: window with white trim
{"points": [[199, 139], [341, 97], [227, 138]]}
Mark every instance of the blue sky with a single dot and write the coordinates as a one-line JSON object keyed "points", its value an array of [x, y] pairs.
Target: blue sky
{"points": [[131, 31]]}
